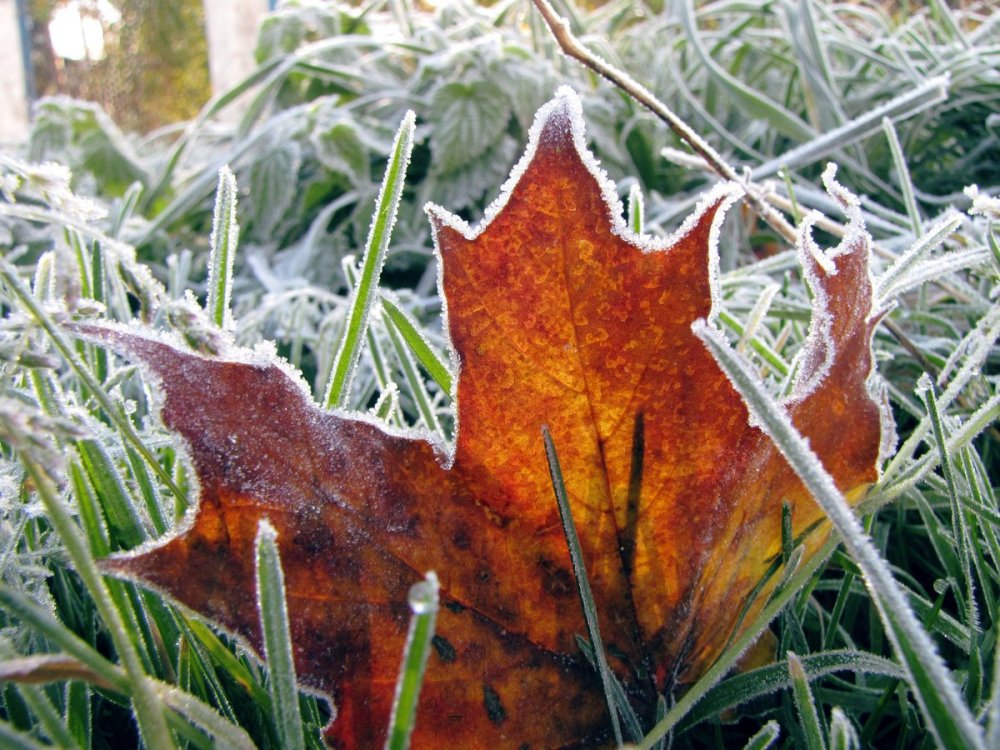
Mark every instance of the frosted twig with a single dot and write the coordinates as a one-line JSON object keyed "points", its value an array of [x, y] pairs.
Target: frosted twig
{"points": [[572, 46]]}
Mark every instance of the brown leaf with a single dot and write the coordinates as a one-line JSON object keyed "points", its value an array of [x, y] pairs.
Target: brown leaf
{"points": [[558, 316]]}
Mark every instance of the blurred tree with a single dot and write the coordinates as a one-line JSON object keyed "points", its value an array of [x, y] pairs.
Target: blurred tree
{"points": [[155, 65]]}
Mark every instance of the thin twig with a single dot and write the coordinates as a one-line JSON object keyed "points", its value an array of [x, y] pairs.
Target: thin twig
{"points": [[572, 47], [900, 335]]}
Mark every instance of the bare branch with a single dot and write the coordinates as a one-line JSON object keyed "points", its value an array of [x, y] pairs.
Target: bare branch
{"points": [[573, 48]]}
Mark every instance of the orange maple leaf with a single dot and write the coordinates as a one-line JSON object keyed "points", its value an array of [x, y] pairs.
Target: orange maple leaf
{"points": [[558, 316]]}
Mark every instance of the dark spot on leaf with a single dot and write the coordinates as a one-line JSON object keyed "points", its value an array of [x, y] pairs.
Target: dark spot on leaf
{"points": [[557, 581], [494, 708], [315, 541], [454, 607], [445, 651], [461, 540]]}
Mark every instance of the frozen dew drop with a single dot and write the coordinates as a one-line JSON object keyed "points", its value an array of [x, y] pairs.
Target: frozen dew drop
{"points": [[423, 595]]}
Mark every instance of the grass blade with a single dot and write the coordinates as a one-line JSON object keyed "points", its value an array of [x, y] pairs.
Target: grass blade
{"points": [[757, 104], [947, 716], [926, 95], [903, 175], [766, 737], [747, 686], [386, 206], [805, 704], [225, 734], [388, 398], [48, 719], [636, 209], [582, 582], [423, 599], [148, 710], [224, 240], [12, 739], [277, 639], [843, 736], [418, 391], [618, 694], [408, 328], [925, 389], [9, 275]]}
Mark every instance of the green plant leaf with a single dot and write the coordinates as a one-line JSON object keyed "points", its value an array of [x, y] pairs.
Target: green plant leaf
{"points": [[273, 185], [469, 118]]}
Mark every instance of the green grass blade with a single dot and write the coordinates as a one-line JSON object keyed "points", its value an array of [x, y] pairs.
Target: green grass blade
{"points": [[747, 686], [418, 391], [773, 359], [91, 518], [224, 241], [277, 639], [993, 711], [409, 329], [12, 739], [903, 175], [57, 633], [423, 599], [838, 609], [149, 491], [225, 735], [628, 716], [736, 648], [805, 704], [925, 389], [9, 275], [78, 716], [124, 524], [843, 736], [947, 716], [582, 582], [48, 718], [148, 710], [386, 206], [388, 405], [766, 737], [636, 209]]}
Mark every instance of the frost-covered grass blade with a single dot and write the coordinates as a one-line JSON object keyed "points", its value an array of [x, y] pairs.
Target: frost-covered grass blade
{"points": [[386, 207], [277, 639], [583, 584], [947, 715], [224, 243], [423, 598]]}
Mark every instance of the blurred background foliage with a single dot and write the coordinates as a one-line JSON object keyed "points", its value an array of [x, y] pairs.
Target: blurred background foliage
{"points": [[154, 70]]}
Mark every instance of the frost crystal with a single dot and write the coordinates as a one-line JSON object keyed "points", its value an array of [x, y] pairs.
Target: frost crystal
{"points": [[983, 205]]}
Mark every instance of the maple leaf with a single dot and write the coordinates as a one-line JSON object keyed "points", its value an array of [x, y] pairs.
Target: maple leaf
{"points": [[558, 316]]}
